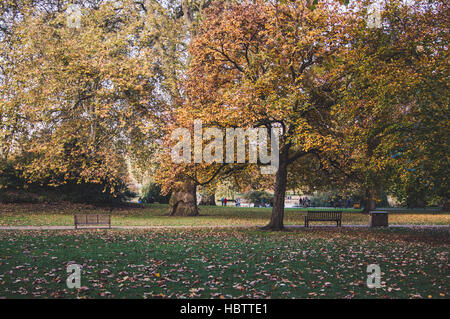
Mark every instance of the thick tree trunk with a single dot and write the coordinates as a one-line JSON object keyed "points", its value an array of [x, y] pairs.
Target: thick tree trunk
{"points": [[207, 199], [183, 201], [276, 220]]}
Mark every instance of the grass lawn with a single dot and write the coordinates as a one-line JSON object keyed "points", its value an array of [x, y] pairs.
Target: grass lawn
{"points": [[156, 215], [305, 263]]}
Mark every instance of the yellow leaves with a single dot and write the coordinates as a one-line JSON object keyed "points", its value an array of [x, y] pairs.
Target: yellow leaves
{"points": [[79, 90]]}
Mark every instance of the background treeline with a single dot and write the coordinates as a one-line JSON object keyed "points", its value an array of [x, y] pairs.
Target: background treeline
{"points": [[16, 188]]}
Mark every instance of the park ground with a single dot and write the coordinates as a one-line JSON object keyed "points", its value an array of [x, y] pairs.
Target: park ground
{"points": [[320, 262], [156, 215]]}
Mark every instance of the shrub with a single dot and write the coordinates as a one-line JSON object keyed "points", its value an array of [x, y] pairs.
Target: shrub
{"points": [[15, 188], [151, 193], [257, 197]]}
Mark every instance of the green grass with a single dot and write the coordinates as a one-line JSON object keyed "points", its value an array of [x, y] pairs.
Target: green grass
{"points": [[156, 215], [307, 263]]}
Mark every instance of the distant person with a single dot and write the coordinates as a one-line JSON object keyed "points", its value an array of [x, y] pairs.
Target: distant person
{"points": [[222, 200], [300, 202], [264, 202], [306, 202], [347, 204], [225, 200]]}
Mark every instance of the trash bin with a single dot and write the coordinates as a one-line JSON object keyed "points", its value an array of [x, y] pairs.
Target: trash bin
{"points": [[379, 219]]}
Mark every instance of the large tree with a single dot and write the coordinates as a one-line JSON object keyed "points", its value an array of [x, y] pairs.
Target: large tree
{"points": [[118, 77], [392, 107], [174, 25], [261, 64], [79, 95], [346, 95]]}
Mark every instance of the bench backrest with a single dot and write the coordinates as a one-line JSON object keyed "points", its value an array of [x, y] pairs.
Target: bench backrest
{"points": [[324, 215], [92, 219]]}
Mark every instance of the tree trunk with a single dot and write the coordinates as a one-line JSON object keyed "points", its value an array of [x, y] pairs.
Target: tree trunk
{"points": [[370, 201], [207, 199], [446, 206], [276, 220], [183, 201]]}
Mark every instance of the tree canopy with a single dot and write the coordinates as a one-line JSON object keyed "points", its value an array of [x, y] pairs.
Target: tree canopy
{"points": [[360, 102]]}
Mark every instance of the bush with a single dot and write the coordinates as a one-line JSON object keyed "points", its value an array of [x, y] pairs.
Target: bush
{"points": [[257, 197], [151, 193], [336, 199], [15, 188], [322, 199], [73, 192]]}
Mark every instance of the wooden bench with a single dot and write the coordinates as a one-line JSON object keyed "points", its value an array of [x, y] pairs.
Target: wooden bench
{"points": [[92, 219], [326, 216]]}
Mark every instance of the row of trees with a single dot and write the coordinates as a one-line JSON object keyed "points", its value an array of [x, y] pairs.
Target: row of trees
{"points": [[359, 107]]}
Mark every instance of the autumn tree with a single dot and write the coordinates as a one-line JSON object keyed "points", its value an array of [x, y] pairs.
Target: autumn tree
{"points": [[142, 45], [392, 107], [260, 64], [173, 25], [80, 95]]}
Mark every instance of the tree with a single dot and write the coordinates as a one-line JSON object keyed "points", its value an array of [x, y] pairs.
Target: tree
{"points": [[173, 25], [392, 107], [260, 64], [79, 96]]}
